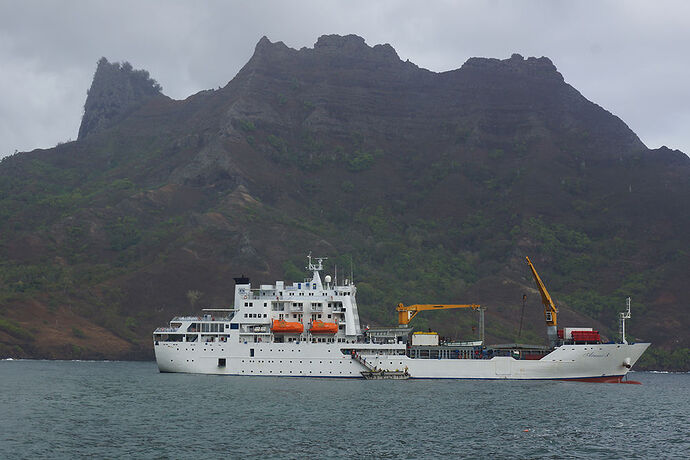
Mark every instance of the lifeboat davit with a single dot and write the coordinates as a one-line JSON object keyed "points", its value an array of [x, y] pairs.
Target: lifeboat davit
{"points": [[319, 327], [287, 327]]}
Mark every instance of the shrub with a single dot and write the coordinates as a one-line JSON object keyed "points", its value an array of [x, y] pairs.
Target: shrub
{"points": [[360, 161], [15, 330], [78, 333]]}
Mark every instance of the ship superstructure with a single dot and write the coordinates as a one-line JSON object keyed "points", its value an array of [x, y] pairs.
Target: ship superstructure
{"points": [[311, 328]]}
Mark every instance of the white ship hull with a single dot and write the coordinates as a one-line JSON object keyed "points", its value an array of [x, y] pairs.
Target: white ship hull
{"points": [[311, 329], [600, 362]]}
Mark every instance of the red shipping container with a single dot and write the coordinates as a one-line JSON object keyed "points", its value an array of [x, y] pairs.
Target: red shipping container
{"points": [[586, 336]]}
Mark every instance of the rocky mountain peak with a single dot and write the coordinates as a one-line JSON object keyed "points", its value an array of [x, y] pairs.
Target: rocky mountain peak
{"points": [[329, 50], [117, 88], [353, 45], [540, 68]]}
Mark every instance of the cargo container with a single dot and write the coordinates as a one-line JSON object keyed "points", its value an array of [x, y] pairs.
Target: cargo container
{"points": [[586, 336], [425, 338], [568, 331]]}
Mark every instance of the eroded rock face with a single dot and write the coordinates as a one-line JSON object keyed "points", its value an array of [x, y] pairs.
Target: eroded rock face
{"points": [[340, 147], [116, 89], [342, 85]]}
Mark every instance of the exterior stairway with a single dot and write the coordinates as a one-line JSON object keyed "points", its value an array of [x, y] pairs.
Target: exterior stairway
{"points": [[379, 374]]}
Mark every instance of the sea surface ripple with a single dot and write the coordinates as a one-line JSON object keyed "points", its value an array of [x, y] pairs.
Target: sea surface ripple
{"points": [[63, 409]]}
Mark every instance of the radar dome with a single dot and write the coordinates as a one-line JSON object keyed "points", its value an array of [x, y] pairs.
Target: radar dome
{"points": [[327, 278]]}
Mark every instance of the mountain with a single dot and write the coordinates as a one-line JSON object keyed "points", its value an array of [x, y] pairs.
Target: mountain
{"points": [[432, 186]]}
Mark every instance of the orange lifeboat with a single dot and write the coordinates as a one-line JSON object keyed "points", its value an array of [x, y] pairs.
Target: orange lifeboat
{"points": [[287, 327], [319, 327]]}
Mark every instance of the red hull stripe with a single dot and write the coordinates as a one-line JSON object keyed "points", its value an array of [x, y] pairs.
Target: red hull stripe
{"points": [[603, 379]]}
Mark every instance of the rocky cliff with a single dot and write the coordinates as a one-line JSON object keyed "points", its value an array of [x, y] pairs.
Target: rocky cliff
{"points": [[116, 90], [436, 185]]}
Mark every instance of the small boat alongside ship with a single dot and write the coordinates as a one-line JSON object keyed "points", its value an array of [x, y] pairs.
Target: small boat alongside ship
{"points": [[312, 329]]}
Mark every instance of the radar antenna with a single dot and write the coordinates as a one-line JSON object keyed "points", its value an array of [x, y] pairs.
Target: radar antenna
{"points": [[319, 263]]}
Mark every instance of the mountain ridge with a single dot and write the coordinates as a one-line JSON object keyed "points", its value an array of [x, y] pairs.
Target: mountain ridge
{"points": [[437, 184]]}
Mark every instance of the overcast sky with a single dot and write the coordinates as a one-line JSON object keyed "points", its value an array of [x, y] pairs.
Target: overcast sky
{"points": [[630, 57]]}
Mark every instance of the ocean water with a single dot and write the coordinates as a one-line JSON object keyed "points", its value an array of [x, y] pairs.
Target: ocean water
{"points": [[63, 409]]}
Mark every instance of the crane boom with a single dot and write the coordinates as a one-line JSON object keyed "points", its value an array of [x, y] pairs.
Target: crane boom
{"points": [[550, 310], [407, 312]]}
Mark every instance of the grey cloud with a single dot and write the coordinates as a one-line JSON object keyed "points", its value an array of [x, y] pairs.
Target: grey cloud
{"points": [[629, 57]]}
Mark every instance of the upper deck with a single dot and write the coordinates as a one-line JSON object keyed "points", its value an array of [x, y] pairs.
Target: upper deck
{"points": [[315, 310]]}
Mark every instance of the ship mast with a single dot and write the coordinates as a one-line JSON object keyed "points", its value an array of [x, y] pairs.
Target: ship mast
{"points": [[315, 267], [623, 316]]}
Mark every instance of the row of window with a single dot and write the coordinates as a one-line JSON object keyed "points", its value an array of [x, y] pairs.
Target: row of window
{"points": [[294, 304], [264, 293], [298, 316], [338, 294], [206, 327]]}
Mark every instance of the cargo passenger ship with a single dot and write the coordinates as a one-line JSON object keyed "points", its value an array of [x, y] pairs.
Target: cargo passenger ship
{"points": [[312, 329]]}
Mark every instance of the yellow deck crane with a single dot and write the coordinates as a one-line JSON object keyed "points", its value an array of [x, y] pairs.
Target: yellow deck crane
{"points": [[550, 310], [407, 312]]}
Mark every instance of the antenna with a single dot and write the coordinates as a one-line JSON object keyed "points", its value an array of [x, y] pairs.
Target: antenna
{"points": [[352, 277], [623, 316], [318, 266]]}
